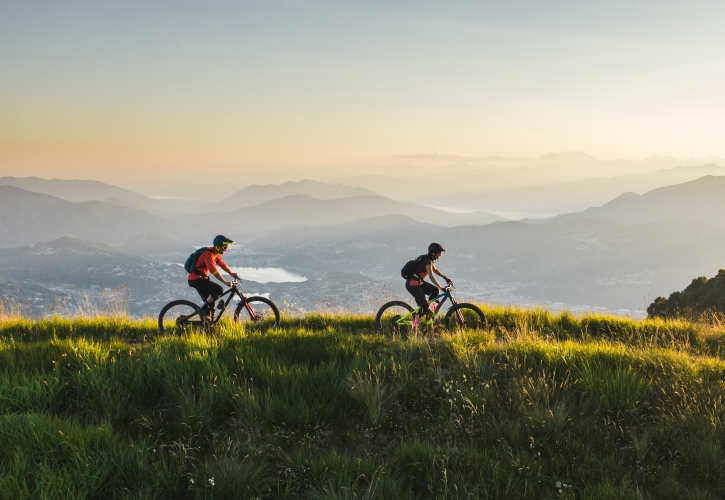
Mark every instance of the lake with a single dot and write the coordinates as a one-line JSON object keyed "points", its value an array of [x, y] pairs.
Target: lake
{"points": [[268, 275]]}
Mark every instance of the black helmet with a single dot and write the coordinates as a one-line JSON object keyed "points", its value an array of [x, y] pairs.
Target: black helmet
{"points": [[222, 241], [435, 248]]}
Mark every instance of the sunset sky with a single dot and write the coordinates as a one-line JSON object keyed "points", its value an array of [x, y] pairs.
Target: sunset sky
{"points": [[90, 86]]}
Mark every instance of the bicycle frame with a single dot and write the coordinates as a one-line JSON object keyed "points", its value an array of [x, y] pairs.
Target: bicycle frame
{"points": [[232, 291], [447, 294]]}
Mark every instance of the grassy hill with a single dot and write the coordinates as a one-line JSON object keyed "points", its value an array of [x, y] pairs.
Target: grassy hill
{"points": [[537, 406]]}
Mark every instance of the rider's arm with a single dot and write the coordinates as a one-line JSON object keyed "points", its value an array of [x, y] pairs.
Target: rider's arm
{"points": [[431, 268], [441, 274], [229, 271], [224, 266], [218, 276]]}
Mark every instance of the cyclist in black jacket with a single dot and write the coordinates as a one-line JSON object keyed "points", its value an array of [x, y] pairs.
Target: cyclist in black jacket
{"points": [[419, 288]]}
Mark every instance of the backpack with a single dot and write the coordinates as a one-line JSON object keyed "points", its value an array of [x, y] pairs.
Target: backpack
{"points": [[190, 264], [409, 267]]}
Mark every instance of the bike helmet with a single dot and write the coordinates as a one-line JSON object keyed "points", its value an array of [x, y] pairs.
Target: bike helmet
{"points": [[222, 241], [435, 248]]}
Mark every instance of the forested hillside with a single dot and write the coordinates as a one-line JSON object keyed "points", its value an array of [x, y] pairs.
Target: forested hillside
{"points": [[701, 296]]}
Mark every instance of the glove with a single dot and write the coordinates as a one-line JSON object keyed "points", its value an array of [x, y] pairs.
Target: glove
{"points": [[448, 280]]}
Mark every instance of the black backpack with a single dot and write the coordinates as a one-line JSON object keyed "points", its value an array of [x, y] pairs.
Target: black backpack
{"points": [[410, 266]]}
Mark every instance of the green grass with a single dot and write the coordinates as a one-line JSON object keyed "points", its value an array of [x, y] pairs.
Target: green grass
{"points": [[539, 405]]}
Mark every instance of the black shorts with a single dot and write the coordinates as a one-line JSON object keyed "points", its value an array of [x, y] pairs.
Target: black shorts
{"points": [[206, 287], [420, 291]]}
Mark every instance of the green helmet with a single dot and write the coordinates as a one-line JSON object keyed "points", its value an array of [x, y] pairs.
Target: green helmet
{"points": [[222, 241]]}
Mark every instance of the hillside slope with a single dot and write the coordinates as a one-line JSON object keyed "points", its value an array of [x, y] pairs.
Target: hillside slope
{"points": [[72, 268], [75, 190], [701, 201], [308, 211], [79, 191], [26, 218], [700, 296], [575, 195]]}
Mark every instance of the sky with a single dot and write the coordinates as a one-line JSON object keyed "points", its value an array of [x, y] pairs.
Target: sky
{"points": [[101, 89]]}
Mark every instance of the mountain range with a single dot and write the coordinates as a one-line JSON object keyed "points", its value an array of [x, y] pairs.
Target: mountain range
{"points": [[577, 262], [306, 210], [26, 218], [573, 196], [617, 256], [701, 201]]}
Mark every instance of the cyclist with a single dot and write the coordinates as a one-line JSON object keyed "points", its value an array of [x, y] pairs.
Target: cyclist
{"points": [[205, 263], [419, 288]]}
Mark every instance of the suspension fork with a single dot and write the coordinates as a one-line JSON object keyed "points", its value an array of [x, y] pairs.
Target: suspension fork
{"points": [[458, 311], [252, 314]]}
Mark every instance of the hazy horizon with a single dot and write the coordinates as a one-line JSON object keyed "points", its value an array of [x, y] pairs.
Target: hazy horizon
{"points": [[136, 93], [474, 174]]}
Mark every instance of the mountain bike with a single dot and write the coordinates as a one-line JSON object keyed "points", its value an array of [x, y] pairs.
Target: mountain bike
{"points": [[254, 313], [398, 316]]}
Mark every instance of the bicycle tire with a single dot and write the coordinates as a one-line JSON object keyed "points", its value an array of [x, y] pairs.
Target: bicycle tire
{"points": [[388, 327], [165, 310], [258, 325], [472, 312]]}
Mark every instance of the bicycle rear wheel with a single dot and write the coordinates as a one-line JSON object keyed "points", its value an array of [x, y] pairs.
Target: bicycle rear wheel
{"points": [[388, 315], [266, 314], [179, 316], [465, 315]]}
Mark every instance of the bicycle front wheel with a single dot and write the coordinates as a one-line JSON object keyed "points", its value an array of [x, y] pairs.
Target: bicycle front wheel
{"points": [[178, 317], [262, 313], [388, 315], [465, 316]]}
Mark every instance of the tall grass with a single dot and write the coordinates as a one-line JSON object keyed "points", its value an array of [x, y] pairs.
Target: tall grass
{"points": [[536, 406]]}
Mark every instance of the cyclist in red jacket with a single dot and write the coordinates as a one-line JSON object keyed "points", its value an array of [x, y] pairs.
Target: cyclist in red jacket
{"points": [[207, 263]]}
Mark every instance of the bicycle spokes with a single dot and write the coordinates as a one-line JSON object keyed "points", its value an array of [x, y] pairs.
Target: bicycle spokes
{"points": [[396, 318], [180, 318], [258, 313]]}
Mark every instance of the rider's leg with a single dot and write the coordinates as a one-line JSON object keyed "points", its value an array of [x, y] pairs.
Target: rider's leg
{"points": [[419, 295], [430, 290], [209, 291]]}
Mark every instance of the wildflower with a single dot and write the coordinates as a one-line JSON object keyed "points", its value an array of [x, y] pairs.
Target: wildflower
{"points": [[211, 481]]}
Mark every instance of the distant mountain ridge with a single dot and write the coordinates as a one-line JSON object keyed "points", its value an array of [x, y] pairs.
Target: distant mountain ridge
{"points": [[80, 191], [305, 210], [26, 218], [700, 201], [77, 191], [575, 195], [256, 194]]}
